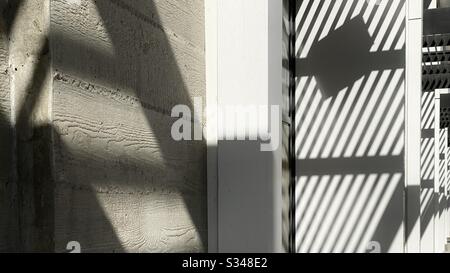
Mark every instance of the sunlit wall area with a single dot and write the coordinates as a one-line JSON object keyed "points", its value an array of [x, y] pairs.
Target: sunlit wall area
{"points": [[427, 171], [435, 77], [428, 143], [442, 192], [123, 184], [350, 126], [441, 196], [88, 160]]}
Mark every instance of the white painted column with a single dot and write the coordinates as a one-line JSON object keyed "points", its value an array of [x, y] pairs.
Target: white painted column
{"points": [[211, 120], [244, 66], [413, 131]]}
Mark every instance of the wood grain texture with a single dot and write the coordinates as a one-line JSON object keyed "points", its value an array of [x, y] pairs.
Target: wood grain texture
{"points": [[144, 48], [128, 222], [123, 184]]}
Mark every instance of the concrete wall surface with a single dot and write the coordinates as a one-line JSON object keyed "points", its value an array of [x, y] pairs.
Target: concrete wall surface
{"points": [[94, 84], [6, 187]]}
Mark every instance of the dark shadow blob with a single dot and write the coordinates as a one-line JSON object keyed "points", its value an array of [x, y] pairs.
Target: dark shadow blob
{"points": [[10, 11], [257, 214], [391, 220], [33, 171], [344, 56], [436, 21], [354, 165]]}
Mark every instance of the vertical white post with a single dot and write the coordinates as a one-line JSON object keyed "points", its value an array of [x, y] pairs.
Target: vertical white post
{"points": [[413, 131], [249, 74], [211, 120]]}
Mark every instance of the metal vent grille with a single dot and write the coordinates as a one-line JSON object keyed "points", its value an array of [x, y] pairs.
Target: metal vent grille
{"points": [[436, 40], [445, 117], [436, 62]]}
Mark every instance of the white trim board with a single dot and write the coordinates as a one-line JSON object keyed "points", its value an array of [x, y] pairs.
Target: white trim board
{"points": [[244, 67]]}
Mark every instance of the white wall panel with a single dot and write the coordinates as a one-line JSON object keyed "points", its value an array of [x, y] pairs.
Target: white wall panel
{"points": [[350, 121]]}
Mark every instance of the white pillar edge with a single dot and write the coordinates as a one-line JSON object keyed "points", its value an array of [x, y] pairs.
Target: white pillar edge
{"points": [[276, 98], [414, 14], [211, 122], [249, 66]]}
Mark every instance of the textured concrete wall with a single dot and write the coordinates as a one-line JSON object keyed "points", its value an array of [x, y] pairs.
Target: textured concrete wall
{"points": [[26, 220], [89, 87], [30, 88], [122, 183], [6, 208], [444, 3]]}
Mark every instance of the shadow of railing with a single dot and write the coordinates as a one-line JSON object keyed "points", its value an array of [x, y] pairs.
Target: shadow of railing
{"points": [[350, 126]]}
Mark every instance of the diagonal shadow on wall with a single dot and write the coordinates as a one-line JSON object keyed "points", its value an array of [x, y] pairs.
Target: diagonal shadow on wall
{"points": [[140, 65], [138, 75], [350, 112], [6, 186]]}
